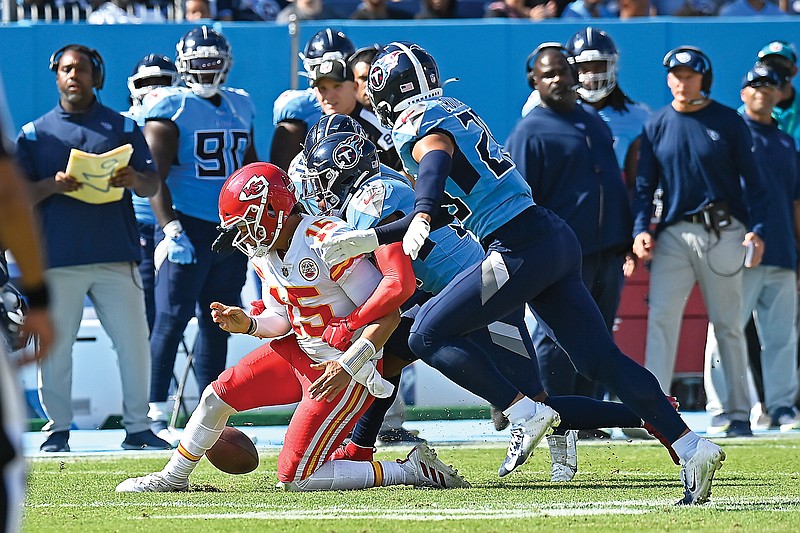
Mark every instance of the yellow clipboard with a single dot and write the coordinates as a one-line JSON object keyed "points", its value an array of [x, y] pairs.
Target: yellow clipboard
{"points": [[94, 170]]}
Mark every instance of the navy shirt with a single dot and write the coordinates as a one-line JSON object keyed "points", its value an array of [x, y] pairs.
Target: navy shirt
{"points": [[76, 232], [777, 159], [569, 162], [698, 158]]}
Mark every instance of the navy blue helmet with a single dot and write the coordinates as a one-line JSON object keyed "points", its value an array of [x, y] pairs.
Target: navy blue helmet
{"points": [[401, 74], [328, 125], [204, 59], [336, 167], [153, 70], [592, 44], [326, 45]]}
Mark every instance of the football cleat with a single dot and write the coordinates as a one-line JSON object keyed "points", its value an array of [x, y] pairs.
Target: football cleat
{"points": [[526, 435], [564, 456], [155, 482], [698, 472], [431, 472]]}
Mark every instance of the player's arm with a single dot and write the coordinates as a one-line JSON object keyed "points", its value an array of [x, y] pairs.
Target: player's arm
{"points": [[267, 324], [287, 141]]}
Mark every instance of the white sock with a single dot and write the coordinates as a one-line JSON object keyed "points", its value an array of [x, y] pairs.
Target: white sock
{"points": [[202, 431], [686, 446], [521, 410], [355, 475]]}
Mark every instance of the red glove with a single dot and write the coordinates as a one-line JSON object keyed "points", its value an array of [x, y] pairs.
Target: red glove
{"points": [[258, 307], [338, 333]]}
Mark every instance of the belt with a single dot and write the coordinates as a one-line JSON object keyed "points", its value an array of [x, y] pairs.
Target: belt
{"points": [[695, 218]]}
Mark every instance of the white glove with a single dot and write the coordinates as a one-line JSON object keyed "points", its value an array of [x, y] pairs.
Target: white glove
{"points": [[357, 361], [342, 247], [415, 236]]}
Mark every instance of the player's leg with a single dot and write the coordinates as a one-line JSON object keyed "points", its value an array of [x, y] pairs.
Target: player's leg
{"points": [[12, 463], [263, 377], [147, 269]]}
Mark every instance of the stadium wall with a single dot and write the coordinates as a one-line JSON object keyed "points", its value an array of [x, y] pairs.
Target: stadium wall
{"points": [[488, 57]]}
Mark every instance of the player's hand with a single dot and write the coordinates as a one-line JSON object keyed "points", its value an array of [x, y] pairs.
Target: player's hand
{"points": [[230, 318], [123, 177], [338, 333], [179, 249], [66, 183], [342, 247], [415, 236], [643, 246], [37, 323], [334, 379]]}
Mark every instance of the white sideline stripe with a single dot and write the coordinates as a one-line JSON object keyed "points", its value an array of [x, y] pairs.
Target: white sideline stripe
{"points": [[432, 515]]}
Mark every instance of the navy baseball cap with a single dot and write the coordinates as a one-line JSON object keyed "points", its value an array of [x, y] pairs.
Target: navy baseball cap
{"points": [[760, 76]]}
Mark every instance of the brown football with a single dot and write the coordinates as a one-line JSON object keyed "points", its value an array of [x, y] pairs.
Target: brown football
{"points": [[233, 453]]}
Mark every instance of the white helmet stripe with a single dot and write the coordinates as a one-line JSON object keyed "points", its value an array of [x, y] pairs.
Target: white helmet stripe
{"points": [[417, 67]]}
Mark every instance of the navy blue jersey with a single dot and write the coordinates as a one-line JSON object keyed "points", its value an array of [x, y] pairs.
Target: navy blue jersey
{"points": [[569, 162], [698, 158], [76, 232], [453, 248], [777, 159], [484, 185]]}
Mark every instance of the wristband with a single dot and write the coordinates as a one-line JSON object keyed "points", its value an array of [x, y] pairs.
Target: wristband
{"points": [[357, 356], [253, 326], [173, 229], [38, 297]]}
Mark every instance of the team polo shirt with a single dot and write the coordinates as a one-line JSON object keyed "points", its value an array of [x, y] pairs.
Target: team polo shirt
{"points": [[76, 232], [569, 162], [777, 159], [698, 158]]}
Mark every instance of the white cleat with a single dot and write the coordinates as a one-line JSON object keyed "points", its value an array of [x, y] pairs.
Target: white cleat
{"points": [[526, 435], [155, 482], [564, 456], [429, 471], [698, 472]]}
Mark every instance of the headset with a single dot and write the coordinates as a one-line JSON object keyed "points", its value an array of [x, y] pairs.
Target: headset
{"points": [[700, 63], [533, 56], [98, 67]]}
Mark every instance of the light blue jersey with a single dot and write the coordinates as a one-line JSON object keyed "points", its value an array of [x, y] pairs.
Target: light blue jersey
{"points": [[297, 105], [453, 249], [141, 206], [625, 127], [213, 144], [484, 186]]}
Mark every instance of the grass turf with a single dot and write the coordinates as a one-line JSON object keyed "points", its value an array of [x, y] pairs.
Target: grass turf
{"points": [[620, 486]]}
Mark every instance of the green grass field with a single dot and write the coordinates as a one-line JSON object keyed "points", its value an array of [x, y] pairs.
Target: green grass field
{"points": [[620, 487]]}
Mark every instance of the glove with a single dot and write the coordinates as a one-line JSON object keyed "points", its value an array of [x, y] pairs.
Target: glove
{"points": [[258, 307], [223, 244], [342, 247], [338, 334], [179, 248], [415, 236]]}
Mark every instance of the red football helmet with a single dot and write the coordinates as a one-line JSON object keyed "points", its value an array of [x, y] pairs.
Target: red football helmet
{"points": [[255, 201]]}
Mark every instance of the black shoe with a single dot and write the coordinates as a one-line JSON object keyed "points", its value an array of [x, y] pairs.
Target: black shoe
{"points": [[739, 428], [399, 436], [57, 441], [144, 440], [499, 420]]}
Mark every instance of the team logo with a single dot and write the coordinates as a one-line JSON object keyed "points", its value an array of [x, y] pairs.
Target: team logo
{"points": [[346, 153], [308, 269], [382, 68], [713, 135], [255, 187], [683, 57]]}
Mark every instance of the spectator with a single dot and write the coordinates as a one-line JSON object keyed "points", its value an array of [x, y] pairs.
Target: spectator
{"points": [[524, 9], [198, 10], [152, 71], [629, 9], [700, 153], [437, 9], [307, 10], [750, 8], [379, 10], [248, 10], [565, 152], [73, 229], [586, 9], [18, 233], [781, 56], [697, 8], [770, 289], [199, 134]]}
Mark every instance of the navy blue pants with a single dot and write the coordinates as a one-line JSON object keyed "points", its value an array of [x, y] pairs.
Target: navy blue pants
{"points": [[535, 258], [602, 275], [184, 291], [147, 241]]}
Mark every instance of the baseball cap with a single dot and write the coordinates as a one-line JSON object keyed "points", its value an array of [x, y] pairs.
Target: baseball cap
{"points": [[759, 76], [781, 48], [334, 69]]}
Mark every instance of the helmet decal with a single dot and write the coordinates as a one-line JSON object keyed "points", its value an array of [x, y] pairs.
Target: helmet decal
{"points": [[255, 187], [346, 154], [382, 68]]}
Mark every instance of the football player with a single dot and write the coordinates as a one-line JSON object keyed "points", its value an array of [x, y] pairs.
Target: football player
{"points": [[531, 255], [151, 72], [334, 387], [198, 134]]}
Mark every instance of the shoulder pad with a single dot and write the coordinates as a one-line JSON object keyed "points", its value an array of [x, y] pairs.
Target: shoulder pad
{"points": [[296, 105]]}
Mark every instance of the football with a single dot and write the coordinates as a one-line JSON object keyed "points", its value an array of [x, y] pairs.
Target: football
{"points": [[233, 453]]}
